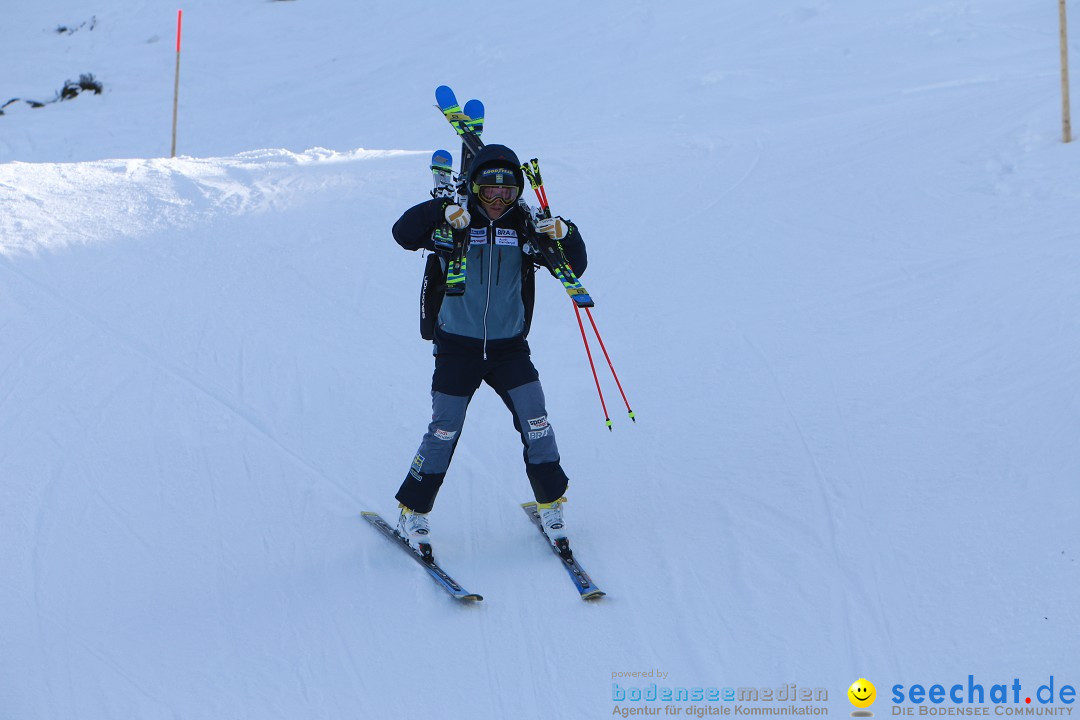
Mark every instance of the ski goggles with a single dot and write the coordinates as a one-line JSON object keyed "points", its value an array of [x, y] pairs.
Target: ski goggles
{"points": [[491, 193]]}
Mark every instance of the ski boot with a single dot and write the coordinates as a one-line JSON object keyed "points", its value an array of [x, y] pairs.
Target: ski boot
{"points": [[412, 527], [551, 520]]}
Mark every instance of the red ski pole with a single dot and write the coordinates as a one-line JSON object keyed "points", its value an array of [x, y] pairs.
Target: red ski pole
{"points": [[532, 171], [581, 326], [608, 358]]}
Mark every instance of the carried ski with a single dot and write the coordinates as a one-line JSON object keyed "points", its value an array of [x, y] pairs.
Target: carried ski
{"points": [[442, 171], [474, 121], [442, 237], [584, 584], [455, 272], [551, 248], [458, 119], [468, 129], [437, 573]]}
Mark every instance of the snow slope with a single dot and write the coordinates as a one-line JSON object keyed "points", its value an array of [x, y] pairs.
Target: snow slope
{"points": [[833, 246]]}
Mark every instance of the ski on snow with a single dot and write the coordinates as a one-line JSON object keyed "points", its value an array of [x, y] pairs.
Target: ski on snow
{"points": [[437, 573], [584, 584], [586, 588]]}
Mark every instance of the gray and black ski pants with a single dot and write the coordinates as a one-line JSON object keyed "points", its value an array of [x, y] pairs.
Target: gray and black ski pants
{"points": [[459, 372]]}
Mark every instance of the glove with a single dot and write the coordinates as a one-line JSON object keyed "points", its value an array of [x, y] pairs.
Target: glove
{"points": [[457, 216], [555, 228]]}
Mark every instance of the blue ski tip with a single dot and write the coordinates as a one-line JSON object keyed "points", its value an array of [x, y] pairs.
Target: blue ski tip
{"points": [[474, 109], [445, 97], [442, 159]]}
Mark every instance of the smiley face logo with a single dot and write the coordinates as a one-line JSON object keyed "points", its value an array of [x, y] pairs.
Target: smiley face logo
{"points": [[862, 693]]}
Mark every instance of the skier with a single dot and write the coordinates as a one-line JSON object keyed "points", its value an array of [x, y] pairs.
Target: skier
{"points": [[479, 336]]}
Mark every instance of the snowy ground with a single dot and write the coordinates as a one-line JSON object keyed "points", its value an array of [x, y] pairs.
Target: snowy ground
{"points": [[833, 247]]}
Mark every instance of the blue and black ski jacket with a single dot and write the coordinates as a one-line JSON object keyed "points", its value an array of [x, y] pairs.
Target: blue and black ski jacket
{"points": [[497, 305]]}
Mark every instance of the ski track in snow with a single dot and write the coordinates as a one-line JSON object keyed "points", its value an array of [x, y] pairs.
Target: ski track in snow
{"points": [[205, 387]]}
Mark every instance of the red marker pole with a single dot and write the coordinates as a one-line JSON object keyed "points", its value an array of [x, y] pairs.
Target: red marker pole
{"points": [[176, 83]]}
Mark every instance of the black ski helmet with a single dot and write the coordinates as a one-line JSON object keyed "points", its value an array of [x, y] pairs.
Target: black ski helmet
{"points": [[496, 165]]}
